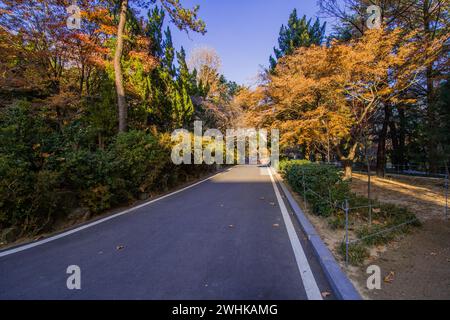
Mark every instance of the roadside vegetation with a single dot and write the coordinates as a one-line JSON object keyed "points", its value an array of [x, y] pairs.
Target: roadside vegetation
{"points": [[325, 191], [86, 114], [359, 94]]}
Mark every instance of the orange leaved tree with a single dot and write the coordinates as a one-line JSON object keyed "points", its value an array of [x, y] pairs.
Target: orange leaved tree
{"points": [[324, 97]]}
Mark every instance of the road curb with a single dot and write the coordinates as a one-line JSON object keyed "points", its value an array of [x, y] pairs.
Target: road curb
{"points": [[338, 280]]}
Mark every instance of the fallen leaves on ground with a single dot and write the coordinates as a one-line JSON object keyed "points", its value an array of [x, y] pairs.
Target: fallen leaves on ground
{"points": [[390, 277]]}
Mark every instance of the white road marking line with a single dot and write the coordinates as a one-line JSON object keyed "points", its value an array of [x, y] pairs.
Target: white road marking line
{"points": [[67, 233], [309, 282]]}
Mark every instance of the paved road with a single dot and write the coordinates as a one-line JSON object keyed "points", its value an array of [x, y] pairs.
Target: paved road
{"points": [[226, 238]]}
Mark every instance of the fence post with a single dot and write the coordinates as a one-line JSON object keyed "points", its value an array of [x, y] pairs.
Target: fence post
{"points": [[346, 232]]}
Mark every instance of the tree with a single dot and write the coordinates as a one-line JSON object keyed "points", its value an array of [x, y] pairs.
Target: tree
{"points": [[121, 102], [328, 95], [430, 19], [207, 63], [298, 33], [183, 18]]}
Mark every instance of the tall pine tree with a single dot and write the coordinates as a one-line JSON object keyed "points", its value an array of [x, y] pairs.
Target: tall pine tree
{"points": [[299, 32]]}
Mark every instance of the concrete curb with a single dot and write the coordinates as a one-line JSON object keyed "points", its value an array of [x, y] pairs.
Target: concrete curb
{"points": [[339, 281]]}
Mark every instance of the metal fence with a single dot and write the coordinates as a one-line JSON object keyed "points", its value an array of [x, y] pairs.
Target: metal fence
{"points": [[410, 169], [407, 170], [347, 210]]}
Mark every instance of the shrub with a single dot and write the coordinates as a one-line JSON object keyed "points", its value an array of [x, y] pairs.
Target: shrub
{"points": [[324, 185], [29, 195], [286, 165], [138, 161], [357, 253], [48, 168], [97, 199]]}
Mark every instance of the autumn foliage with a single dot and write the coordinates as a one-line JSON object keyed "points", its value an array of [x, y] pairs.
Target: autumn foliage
{"points": [[324, 97]]}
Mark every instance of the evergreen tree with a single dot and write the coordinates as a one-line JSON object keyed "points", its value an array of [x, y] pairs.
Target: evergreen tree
{"points": [[186, 87], [443, 111], [186, 78], [169, 52], [153, 31], [298, 33]]}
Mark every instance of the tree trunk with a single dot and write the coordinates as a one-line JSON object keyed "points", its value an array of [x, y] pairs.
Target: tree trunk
{"points": [[431, 115], [381, 152], [347, 161], [402, 138], [82, 79], [348, 169], [431, 123], [121, 102], [395, 144]]}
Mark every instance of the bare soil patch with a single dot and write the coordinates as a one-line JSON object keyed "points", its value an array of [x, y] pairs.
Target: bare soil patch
{"points": [[423, 196], [419, 263]]}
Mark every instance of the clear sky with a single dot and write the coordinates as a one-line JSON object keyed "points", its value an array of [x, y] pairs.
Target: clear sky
{"points": [[243, 32]]}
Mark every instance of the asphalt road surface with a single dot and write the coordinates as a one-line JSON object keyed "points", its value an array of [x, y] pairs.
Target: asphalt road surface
{"points": [[231, 237]]}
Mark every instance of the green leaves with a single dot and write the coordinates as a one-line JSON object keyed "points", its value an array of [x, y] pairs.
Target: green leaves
{"points": [[298, 33]]}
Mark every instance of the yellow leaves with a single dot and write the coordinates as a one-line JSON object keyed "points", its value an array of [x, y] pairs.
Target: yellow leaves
{"points": [[326, 95]]}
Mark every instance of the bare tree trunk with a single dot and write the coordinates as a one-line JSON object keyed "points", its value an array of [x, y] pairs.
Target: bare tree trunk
{"points": [[348, 169], [121, 102], [82, 78], [381, 152], [393, 133], [431, 123], [431, 116], [402, 137], [347, 161]]}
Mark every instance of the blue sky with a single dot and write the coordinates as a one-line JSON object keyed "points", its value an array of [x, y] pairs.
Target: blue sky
{"points": [[243, 32]]}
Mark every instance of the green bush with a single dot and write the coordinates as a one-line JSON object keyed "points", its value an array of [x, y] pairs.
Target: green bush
{"points": [[138, 160], [325, 188], [326, 195], [49, 169], [286, 165], [357, 253], [29, 195]]}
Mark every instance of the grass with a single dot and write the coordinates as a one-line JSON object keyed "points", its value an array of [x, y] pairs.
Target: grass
{"points": [[357, 253]]}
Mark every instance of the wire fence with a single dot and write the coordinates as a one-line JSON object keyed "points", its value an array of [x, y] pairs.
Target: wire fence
{"points": [[409, 169], [347, 210]]}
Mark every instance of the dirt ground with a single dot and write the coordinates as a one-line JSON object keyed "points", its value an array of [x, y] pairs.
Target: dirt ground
{"points": [[418, 266], [415, 267], [423, 196]]}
